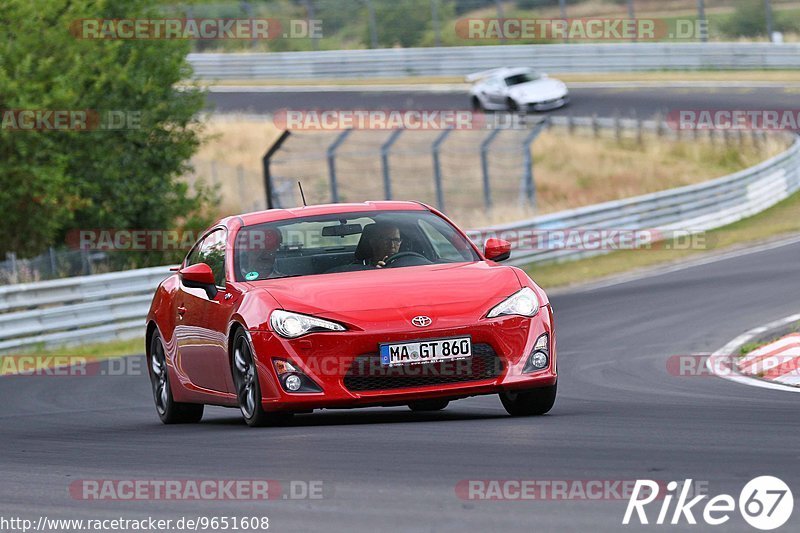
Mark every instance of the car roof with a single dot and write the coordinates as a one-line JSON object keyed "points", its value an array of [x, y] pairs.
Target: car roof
{"points": [[503, 72], [272, 215]]}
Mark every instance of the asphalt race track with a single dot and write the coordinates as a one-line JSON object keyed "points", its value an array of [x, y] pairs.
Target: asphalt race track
{"points": [[605, 102], [619, 416]]}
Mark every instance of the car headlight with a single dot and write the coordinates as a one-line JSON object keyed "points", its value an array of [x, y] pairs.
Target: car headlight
{"points": [[523, 302], [292, 325]]}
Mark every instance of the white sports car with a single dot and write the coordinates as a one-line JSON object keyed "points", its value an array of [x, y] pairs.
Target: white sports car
{"points": [[516, 89]]}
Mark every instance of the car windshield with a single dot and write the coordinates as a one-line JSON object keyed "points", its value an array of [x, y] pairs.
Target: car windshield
{"points": [[346, 242], [523, 77]]}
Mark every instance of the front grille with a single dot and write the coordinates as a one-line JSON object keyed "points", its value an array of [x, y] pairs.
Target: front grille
{"points": [[366, 373]]}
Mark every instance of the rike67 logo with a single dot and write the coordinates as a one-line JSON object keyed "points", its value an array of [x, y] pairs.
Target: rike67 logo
{"points": [[765, 503]]}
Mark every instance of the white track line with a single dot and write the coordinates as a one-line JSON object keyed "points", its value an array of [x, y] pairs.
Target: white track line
{"points": [[719, 363]]}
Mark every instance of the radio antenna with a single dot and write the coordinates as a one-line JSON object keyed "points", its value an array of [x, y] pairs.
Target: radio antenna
{"points": [[303, 196]]}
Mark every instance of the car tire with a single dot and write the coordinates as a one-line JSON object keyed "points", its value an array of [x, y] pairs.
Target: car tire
{"points": [[248, 388], [531, 402], [476, 104], [169, 411], [512, 105], [428, 405]]}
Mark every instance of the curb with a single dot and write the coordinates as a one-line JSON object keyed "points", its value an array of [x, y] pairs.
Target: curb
{"points": [[721, 362]]}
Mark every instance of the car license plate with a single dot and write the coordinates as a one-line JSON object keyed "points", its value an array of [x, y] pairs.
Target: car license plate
{"points": [[427, 351]]}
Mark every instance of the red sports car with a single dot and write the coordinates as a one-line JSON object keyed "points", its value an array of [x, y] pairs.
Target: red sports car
{"points": [[347, 305]]}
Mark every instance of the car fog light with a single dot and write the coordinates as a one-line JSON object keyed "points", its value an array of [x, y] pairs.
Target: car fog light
{"points": [[293, 383], [539, 360]]}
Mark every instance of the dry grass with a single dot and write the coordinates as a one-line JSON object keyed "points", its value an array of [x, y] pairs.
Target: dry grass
{"points": [[569, 170]]}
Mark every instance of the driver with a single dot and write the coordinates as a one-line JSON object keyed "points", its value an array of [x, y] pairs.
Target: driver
{"points": [[259, 262], [384, 243]]}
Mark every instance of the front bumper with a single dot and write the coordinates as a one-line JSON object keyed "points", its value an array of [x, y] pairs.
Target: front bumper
{"points": [[547, 105], [346, 368]]}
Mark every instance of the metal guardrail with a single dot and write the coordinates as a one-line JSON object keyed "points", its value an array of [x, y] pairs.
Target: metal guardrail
{"points": [[461, 60], [692, 208], [95, 308], [113, 306]]}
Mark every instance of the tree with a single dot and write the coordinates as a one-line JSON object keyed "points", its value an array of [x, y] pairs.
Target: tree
{"points": [[54, 181], [402, 23]]}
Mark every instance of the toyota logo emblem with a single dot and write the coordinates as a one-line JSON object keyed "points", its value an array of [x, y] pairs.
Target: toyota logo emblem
{"points": [[421, 321]]}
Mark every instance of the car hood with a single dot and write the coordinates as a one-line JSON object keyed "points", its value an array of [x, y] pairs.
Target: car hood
{"points": [[541, 89], [442, 292]]}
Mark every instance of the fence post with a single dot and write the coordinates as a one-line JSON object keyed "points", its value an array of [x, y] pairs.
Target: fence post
{"points": [[639, 132], [332, 164], [265, 165], [53, 265], [437, 168], [309, 5], [701, 18], [528, 186], [500, 15], [241, 183], [373, 29], [385, 148], [437, 29], [487, 189], [11, 258]]}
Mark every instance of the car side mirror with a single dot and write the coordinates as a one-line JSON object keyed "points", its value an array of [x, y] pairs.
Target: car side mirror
{"points": [[199, 276], [497, 249]]}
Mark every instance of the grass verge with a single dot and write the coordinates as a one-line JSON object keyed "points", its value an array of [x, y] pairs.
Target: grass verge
{"points": [[753, 346], [778, 220]]}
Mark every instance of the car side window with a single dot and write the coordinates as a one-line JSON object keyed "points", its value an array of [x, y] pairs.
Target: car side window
{"points": [[494, 84], [193, 257], [212, 253], [444, 248]]}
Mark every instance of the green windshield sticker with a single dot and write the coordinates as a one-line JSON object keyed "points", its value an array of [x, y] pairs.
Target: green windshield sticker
{"points": [[250, 276]]}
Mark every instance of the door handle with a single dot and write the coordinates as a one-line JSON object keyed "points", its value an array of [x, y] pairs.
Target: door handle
{"points": [[181, 311]]}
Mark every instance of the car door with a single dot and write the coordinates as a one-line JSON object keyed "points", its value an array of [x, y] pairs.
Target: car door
{"points": [[495, 92], [202, 319]]}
